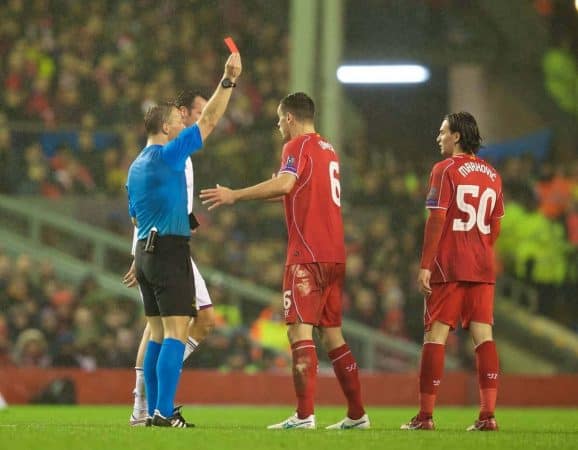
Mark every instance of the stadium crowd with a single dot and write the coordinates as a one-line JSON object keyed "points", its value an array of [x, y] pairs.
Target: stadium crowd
{"points": [[74, 91], [47, 321]]}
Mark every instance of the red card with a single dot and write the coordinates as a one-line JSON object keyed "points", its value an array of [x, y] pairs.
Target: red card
{"points": [[231, 44]]}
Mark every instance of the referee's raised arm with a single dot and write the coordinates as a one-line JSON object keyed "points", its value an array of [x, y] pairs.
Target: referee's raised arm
{"points": [[218, 102]]}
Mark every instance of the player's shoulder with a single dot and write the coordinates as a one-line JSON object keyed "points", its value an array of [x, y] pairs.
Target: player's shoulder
{"points": [[443, 165], [293, 144], [301, 142], [307, 139]]}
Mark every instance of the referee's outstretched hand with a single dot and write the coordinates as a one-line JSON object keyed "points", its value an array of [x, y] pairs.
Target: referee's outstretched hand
{"points": [[233, 66]]}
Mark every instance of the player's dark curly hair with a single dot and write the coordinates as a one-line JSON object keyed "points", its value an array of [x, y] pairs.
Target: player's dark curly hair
{"points": [[186, 98], [465, 124], [300, 105], [156, 116]]}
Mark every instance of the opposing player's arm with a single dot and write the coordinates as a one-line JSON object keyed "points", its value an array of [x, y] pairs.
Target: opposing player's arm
{"points": [[275, 187]]}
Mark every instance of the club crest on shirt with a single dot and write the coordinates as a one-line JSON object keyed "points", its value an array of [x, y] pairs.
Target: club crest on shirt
{"points": [[290, 164], [432, 197]]}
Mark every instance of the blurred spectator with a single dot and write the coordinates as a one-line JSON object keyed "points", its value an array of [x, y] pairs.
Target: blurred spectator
{"points": [[37, 178], [10, 160], [5, 357], [31, 349], [90, 158], [554, 192], [90, 67], [365, 308], [70, 175], [114, 173], [572, 223], [393, 303], [269, 329]]}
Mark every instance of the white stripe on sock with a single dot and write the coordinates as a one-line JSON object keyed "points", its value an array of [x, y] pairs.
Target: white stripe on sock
{"points": [[190, 347]]}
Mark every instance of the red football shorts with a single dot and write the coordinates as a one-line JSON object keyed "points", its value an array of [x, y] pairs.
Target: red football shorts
{"points": [[450, 302], [312, 293]]}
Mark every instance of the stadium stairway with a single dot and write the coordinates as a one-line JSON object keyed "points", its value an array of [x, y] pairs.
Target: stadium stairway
{"points": [[515, 359], [536, 343]]}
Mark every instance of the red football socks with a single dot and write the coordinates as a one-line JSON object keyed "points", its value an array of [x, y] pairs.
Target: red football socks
{"points": [[347, 373], [304, 376], [488, 369], [430, 375]]}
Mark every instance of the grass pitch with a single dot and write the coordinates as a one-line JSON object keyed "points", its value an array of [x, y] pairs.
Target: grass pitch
{"points": [[243, 428]]}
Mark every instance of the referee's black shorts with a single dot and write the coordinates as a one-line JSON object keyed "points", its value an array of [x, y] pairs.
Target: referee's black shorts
{"points": [[165, 277]]}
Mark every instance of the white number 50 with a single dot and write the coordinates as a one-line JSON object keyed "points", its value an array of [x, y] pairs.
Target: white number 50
{"points": [[474, 217], [335, 185]]}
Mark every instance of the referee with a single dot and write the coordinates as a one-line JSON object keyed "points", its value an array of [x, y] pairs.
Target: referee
{"points": [[157, 200]]}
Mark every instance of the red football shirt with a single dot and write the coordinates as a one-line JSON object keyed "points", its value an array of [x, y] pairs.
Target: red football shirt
{"points": [[313, 207], [470, 190]]}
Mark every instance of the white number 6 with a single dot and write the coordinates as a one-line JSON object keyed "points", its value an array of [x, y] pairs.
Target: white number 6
{"points": [[335, 185]]}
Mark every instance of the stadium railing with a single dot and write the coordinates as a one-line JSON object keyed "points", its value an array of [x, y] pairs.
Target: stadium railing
{"points": [[80, 249]]}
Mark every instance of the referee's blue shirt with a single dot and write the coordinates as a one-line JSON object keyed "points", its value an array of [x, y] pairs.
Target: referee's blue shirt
{"points": [[157, 188]]}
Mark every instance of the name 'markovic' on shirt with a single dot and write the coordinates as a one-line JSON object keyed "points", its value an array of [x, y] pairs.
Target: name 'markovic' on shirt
{"points": [[477, 166]]}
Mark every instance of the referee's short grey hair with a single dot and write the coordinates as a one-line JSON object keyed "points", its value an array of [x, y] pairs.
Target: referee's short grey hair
{"points": [[156, 116]]}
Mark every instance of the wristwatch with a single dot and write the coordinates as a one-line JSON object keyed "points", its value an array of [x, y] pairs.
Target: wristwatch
{"points": [[227, 83]]}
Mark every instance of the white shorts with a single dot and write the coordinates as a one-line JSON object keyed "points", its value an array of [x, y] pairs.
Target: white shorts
{"points": [[201, 292]]}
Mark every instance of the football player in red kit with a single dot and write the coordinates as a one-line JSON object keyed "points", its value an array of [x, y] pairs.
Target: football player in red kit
{"points": [[308, 182], [457, 274]]}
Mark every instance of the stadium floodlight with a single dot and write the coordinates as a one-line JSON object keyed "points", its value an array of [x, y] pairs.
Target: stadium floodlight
{"points": [[382, 74]]}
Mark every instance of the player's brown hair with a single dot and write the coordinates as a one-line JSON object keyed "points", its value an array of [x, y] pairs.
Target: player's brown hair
{"points": [[156, 116], [300, 105], [186, 98], [464, 123]]}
